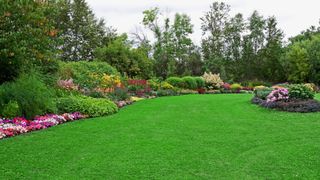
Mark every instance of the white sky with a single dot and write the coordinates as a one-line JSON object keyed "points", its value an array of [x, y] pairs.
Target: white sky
{"points": [[293, 15]]}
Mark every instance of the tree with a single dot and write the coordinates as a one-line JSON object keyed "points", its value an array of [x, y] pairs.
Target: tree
{"points": [[79, 31], [126, 59], [297, 64], [253, 43], [172, 42], [213, 27], [271, 69], [26, 33]]}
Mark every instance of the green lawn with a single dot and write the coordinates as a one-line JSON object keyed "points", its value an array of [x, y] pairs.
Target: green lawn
{"points": [[185, 137]]}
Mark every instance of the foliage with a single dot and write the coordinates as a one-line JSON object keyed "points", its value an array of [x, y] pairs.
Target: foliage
{"points": [[11, 110], [189, 82], [280, 94], [262, 92], [31, 94], [235, 87], [79, 31], [213, 81], [89, 74], [154, 84], [173, 49], [128, 61], [200, 82], [166, 86], [119, 94], [300, 91], [311, 86], [92, 107], [26, 33], [176, 82]]}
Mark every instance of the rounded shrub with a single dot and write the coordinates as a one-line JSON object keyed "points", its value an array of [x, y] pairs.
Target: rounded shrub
{"points": [[189, 82], [200, 82], [11, 110], [92, 107], [176, 82], [300, 91], [235, 87]]}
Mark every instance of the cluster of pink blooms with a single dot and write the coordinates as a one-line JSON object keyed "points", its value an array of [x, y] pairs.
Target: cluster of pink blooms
{"points": [[67, 84], [16, 126], [278, 94]]}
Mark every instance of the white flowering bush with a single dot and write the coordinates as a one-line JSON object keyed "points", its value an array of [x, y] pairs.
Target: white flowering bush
{"points": [[213, 81]]}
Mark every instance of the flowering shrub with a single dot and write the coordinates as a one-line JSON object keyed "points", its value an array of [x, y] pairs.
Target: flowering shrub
{"points": [[311, 86], [213, 81], [300, 91], [16, 126], [67, 84], [278, 94], [226, 86]]}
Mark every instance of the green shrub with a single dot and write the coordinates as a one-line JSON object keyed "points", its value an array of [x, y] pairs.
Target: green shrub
{"points": [[92, 107], [31, 94], [235, 87], [119, 94], [166, 86], [154, 84], [262, 92], [200, 82], [176, 82], [189, 82], [11, 110], [85, 73], [300, 91]]}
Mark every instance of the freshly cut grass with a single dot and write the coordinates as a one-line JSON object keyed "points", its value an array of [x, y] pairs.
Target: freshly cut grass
{"points": [[185, 137]]}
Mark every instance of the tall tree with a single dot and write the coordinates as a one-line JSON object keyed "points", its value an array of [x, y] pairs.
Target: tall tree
{"points": [[213, 27], [271, 70], [79, 31], [170, 49]]}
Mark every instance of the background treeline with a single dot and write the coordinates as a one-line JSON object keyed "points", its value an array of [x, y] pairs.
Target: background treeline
{"points": [[38, 34]]}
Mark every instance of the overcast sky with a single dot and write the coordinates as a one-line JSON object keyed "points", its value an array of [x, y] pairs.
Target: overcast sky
{"points": [[125, 15]]}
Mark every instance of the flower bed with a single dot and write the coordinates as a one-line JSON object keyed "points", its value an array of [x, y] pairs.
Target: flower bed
{"points": [[16, 126], [294, 98]]}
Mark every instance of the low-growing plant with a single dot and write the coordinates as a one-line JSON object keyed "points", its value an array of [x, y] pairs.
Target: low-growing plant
{"points": [[92, 107], [300, 91], [262, 92], [119, 94]]}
